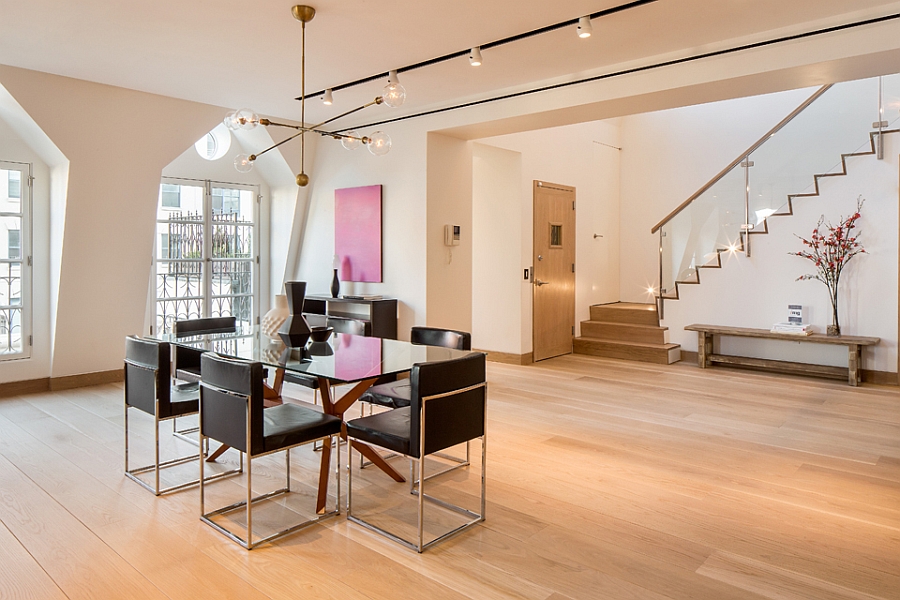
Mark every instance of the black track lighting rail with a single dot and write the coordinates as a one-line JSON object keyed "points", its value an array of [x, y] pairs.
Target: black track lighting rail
{"points": [[668, 63], [494, 44]]}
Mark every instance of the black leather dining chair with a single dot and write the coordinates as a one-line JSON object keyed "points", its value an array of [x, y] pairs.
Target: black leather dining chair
{"points": [[396, 394], [148, 388], [231, 411], [187, 360], [448, 406]]}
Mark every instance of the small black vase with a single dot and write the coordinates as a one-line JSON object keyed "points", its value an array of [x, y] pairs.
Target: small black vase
{"points": [[335, 285], [294, 332]]}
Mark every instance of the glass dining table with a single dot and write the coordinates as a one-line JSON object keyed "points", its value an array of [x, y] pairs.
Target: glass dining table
{"points": [[342, 359]]}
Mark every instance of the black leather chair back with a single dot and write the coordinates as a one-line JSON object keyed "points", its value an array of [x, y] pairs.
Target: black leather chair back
{"points": [[203, 326], [455, 418], [187, 360], [447, 338], [226, 388], [147, 375]]}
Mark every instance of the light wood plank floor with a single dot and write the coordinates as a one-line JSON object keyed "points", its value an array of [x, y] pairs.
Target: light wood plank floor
{"points": [[605, 480]]}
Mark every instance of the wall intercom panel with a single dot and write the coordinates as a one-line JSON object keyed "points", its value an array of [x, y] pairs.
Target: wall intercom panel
{"points": [[451, 235]]}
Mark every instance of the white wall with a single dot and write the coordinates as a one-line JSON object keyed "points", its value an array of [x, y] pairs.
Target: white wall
{"points": [[402, 175], [117, 142], [584, 156], [497, 268]]}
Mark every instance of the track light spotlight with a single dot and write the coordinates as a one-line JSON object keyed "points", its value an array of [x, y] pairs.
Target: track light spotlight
{"points": [[585, 29], [327, 99], [475, 56]]}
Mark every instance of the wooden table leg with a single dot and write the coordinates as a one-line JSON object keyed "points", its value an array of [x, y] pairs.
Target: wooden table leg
{"points": [[337, 408], [853, 374], [324, 470]]}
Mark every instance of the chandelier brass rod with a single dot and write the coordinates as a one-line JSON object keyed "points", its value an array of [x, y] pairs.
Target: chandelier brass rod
{"points": [[333, 134], [377, 100], [303, 93]]}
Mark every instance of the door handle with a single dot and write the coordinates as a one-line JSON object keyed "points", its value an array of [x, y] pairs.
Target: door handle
{"points": [[539, 283]]}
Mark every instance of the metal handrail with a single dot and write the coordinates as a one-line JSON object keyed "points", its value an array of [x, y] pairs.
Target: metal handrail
{"points": [[743, 156]]}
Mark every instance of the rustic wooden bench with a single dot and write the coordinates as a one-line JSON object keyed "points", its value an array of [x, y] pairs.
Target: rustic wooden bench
{"points": [[855, 344]]}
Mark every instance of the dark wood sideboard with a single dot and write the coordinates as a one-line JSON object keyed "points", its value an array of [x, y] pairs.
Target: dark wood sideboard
{"points": [[380, 316]]}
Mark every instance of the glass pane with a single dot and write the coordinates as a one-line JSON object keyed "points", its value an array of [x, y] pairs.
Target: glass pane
{"points": [[837, 123], [180, 237], [179, 292], [232, 201], [695, 237], [11, 238], [11, 308], [555, 235], [183, 202], [232, 290]]}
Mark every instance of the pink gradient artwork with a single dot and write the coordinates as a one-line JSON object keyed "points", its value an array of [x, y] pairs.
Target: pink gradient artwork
{"points": [[357, 233]]}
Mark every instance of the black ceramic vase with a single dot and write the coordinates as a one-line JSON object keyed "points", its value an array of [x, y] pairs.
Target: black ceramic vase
{"points": [[335, 285], [294, 332]]}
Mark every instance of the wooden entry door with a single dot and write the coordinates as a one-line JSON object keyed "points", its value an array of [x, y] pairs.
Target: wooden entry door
{"points": [[553, 284]]}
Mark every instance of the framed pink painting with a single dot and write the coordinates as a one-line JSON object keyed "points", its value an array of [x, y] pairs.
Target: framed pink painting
{"points": [[357, 233]]}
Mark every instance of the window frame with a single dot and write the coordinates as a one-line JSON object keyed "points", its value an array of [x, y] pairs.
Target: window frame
{"points": [[207, 260], [25, 258]]}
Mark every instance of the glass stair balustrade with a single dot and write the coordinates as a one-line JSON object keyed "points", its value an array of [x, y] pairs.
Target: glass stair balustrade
{"points": [[832, 126]]}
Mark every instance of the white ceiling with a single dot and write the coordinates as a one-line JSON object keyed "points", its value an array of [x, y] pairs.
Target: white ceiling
{"points": [[247, 53]]}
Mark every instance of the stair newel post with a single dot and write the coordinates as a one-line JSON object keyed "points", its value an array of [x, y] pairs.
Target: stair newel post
{"points": [[746, 226], [880, 124], [659, 297]]}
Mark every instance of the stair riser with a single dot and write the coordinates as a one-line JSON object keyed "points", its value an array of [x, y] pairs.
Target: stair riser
{"points": [[624, 333], [624, 315], [660, 356]]}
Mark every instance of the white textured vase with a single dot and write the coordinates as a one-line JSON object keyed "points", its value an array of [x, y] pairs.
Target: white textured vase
{"points": [[273, 319]]}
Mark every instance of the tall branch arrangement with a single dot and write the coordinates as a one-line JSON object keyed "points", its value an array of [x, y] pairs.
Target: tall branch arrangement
{"points": [[830, 248]]}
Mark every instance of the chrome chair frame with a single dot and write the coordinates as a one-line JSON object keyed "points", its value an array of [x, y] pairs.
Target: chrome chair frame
{"points": [[250, 543], [156, 466], [420, 545]]}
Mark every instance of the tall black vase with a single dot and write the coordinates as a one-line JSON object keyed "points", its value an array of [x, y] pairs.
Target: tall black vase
{"points": [[294, 332], [335, 285]]}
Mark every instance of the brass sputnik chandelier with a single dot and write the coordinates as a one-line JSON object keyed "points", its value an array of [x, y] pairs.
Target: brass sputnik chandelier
{"points": [[378, 142]]}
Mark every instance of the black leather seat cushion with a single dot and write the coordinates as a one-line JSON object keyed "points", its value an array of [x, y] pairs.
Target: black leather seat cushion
{"points": [[389, 430], [191, 374], [289, 424], [307, 381], [394, 394], [183, 402]]}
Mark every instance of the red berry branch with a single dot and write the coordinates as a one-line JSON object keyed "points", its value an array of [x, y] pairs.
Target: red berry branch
{"points": [[830, 248]]}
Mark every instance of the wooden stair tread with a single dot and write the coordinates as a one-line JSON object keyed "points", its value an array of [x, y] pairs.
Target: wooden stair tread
{"points": [[629, 306], [667, 346], [627, 325]]}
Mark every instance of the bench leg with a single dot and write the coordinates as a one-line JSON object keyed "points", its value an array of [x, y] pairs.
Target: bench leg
{"points": [[854, 360], [704, 348]]}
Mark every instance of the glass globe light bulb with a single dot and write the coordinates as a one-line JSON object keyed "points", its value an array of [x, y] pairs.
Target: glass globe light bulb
{"points": [[246, 118], [379, 143], [243, 163], [350, 143], [394, 94], [231, 121]]}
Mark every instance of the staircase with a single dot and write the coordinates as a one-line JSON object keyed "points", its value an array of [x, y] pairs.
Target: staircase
{"points": [[626, 331], [789, 162]]}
